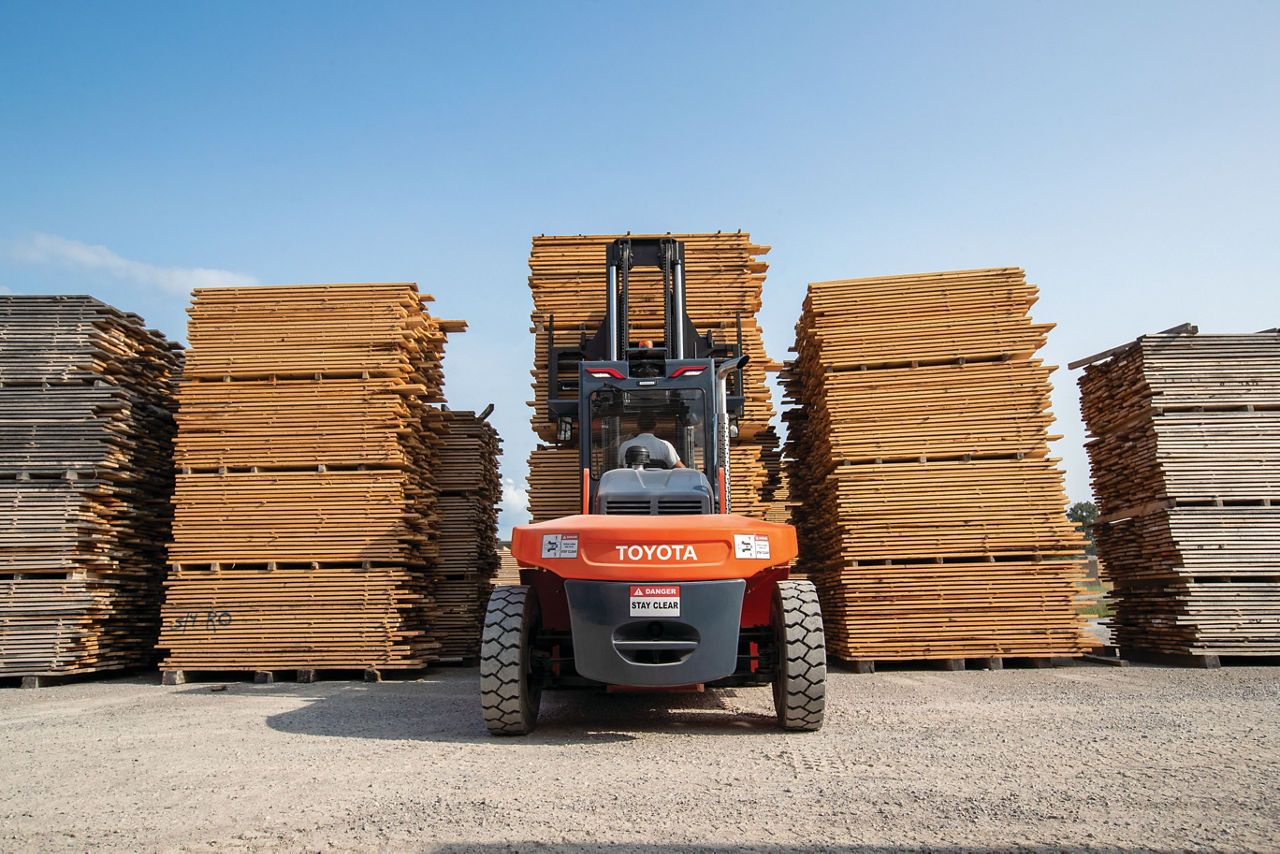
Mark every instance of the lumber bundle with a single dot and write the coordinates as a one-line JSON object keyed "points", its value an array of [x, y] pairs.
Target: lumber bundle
{"points": [[509, 568], [555, 483], [724, 277], [928, 511], [470, 489], [780, 507], [1185, 456], [306, 527], [86, 472]]}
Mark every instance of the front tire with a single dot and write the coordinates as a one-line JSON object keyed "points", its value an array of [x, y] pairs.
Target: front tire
{"points": [[509, 692], [800, 687]]}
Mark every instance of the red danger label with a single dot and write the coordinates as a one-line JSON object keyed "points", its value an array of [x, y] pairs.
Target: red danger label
{"points": [[655, 591]]}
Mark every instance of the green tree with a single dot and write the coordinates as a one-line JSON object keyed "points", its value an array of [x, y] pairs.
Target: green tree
{"points": [[1083, 514]]}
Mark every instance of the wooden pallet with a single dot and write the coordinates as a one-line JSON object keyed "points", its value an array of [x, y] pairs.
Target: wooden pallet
{"points": [[270, 675], [929, 513], [987, 662]]}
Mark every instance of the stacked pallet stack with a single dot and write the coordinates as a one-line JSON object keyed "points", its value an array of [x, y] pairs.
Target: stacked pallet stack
{"points": [[928, 511], [470, 489], [1186, 468], [724, 277], [86, 472], [306, 522]]}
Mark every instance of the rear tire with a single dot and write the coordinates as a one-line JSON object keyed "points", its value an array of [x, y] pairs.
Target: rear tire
{"points": [[800, 687], [509, 694]]}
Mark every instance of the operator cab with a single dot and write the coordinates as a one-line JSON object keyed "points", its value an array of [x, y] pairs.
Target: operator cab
{"points": [[648, 453]]}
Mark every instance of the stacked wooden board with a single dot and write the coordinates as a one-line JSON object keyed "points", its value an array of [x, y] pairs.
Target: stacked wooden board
{"points": [[470, 489], [86, 472], [306, 519], [724, 277], [929, 513], [1185, 454], [508, 569]]}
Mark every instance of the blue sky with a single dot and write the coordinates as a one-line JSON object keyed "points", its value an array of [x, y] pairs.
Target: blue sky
{"points": [[1127, 155]]}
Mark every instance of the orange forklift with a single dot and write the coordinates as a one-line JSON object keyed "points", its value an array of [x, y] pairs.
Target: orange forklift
{"points": [[656, 583]]}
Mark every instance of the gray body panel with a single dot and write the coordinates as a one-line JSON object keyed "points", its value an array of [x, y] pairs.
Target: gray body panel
{"points": [[654, 492], [611, 646]]}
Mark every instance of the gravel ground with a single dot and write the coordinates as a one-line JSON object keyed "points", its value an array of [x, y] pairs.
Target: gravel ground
{"points": [[1084, 757]]}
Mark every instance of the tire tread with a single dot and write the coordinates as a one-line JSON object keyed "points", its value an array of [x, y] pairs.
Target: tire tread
{"points": [[800, 698]]}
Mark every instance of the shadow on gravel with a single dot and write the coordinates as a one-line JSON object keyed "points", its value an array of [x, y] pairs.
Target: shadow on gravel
{"points": [[446, 708], [619, 847]]}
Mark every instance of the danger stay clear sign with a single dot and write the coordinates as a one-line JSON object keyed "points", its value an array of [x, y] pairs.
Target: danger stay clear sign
{"points": [[649, 600]]}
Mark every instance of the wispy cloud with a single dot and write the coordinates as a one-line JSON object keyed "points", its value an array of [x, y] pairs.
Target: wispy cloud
{"points": [[52, 250], [5, 290], [514, 498], [514, 507]]}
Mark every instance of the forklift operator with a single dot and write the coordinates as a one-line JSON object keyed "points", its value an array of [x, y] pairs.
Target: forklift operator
{"points": [[660, 450]]}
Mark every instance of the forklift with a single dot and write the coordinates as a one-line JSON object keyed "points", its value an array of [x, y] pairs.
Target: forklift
{"points": [[656, 584]]}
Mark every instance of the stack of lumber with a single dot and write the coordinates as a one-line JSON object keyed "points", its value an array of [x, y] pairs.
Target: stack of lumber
{"points": [[470, 489], [509, 569], [555, 483], [86, 472], [780, 508], [306, 522], [1185, 455], [724, 277], [929, 513]]}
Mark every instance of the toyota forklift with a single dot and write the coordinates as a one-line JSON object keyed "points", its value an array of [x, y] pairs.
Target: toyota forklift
{"points": [[656, 584]]}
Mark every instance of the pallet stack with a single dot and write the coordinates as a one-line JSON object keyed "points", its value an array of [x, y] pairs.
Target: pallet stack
{"points": [[1185, 454], [86, 473], [306, 522], [929, 513], [470, 489], [724, 276]]}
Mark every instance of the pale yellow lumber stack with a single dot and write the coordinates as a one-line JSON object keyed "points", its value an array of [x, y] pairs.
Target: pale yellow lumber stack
{"points": [[306, 517], [929, 513]]}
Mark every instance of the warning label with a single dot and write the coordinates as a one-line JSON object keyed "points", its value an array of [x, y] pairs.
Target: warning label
{"points": [[751, 546], [559, 545], [655, 601]]}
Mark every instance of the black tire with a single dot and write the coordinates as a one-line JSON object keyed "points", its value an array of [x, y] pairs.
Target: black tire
{"points": [[800, 688], [508, 694]]}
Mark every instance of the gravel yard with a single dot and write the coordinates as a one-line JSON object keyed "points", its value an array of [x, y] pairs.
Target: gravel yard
{"points": [[1073, 757]]}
